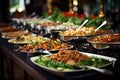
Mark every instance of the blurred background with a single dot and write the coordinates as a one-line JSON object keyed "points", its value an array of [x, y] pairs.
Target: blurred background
{"points": [[109, 9], [20, 8]]}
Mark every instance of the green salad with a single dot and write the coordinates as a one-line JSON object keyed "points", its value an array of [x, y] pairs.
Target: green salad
{"points": [[60, 66]]}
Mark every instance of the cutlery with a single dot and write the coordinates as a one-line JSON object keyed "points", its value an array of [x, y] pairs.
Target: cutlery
{"points": [[103, 23], [41, 50], [81, 25], [103, 71]]}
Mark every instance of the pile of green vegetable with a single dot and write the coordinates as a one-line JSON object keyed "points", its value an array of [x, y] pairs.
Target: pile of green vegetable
{"points": [[77, 19], [60, 66]]}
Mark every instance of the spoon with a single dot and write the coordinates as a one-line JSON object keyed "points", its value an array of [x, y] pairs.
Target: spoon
{"points": [[103, 23], [103, 71], [44, 51], [82, 25]]}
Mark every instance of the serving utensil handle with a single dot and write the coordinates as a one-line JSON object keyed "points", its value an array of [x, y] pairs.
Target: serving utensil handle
{"points": [[104, 22], [82, 24], [104, 71]]}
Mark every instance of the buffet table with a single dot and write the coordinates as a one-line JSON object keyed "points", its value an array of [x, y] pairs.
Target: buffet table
{"points": [[9, 57], [23, 61]]}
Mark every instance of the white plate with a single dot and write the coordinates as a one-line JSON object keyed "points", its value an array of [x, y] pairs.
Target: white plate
{"points": [[7, 37], [111, 59], [71, 46], [11, 41], [108, 43], [3, 35], [46, 50]]}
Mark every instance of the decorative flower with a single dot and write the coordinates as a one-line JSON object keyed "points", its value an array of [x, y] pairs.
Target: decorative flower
{"points": [[93, 16], [83, 16]]}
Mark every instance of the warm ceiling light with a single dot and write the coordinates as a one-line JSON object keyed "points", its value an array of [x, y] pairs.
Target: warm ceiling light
{"points": [[75, 2]]}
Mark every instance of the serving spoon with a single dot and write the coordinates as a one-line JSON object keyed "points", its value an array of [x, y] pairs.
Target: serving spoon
{"points": [[103, 23], [82, 25], [103, 71]]}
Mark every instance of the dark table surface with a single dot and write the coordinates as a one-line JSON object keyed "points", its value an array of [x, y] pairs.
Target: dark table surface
{"points": [[23, 60]]}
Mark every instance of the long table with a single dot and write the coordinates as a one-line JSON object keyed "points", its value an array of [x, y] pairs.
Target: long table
{"points": [[30, 69]]}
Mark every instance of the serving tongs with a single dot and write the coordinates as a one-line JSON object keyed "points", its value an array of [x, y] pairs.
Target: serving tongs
{"points": [[103, 71]]}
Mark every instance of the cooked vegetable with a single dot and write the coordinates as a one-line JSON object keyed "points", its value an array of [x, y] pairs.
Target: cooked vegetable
{"points": [[107, 38], [84, 31], [94, 61], [48, 45], [58, 63], [52, 64]]}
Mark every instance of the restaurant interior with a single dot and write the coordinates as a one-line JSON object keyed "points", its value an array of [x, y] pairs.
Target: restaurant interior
{"points": [[59, 39]]}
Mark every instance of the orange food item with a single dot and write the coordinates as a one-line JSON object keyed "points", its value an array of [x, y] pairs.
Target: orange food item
{"points": [[69, 56]]}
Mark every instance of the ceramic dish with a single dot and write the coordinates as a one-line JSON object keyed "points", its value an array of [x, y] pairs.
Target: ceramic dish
{"points": [[39, 50], [76, 72], [108, 39]]}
